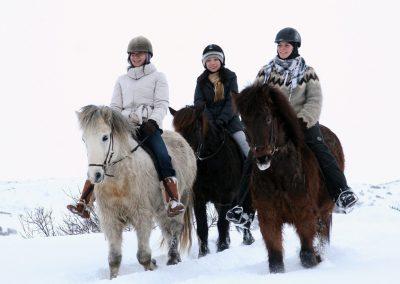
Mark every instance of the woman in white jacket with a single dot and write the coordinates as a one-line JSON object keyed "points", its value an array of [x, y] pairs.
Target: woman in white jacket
{"points": [[142, 96]]}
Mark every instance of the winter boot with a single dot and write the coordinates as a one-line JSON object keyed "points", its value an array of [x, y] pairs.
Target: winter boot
{"points": [[239, 218], [171, 196], [81, 208], [345, 201]]}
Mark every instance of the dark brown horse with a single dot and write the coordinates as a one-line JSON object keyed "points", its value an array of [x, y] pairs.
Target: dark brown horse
{"points": [[287, 184], [219, 169]]}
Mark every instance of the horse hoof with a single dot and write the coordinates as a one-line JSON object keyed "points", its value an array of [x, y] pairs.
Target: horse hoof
{"points": [[174, 259], [248, 238], [222, 246], [112, 276], [277, 268], [151, 265], [308, 259], [203, 250]]}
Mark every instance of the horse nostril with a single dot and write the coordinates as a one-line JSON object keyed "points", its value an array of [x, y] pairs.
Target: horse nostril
{"points": [[98, 176]]}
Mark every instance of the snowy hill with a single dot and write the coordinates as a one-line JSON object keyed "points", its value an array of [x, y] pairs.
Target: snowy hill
{"points": [[364, 246]]}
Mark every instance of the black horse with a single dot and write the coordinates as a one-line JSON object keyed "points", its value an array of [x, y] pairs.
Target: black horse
{"points": [[219, 170]]}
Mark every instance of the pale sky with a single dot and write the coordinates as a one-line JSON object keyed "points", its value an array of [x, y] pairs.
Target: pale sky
{"points": [[57, 56]]}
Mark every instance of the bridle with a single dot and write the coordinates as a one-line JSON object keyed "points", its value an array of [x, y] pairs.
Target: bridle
{"points": [[272, 140], [200, 147], [110, 153]]}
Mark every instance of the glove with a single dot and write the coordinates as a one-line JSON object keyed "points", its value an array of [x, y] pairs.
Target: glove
{"points": [[220, 123], [302, 123], [149, 127]]}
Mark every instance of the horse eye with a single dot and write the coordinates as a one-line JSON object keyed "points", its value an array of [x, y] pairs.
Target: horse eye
{"points": [[105, 138], [269, 120]]}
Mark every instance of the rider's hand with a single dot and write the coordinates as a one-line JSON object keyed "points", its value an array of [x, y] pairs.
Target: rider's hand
{"points": [[149, 127]]}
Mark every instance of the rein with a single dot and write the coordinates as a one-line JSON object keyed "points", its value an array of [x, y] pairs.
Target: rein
{"points": [[107, 161], [201, 146]]}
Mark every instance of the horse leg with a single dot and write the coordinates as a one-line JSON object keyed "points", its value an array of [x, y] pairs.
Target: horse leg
{"points": [[248, 238], [144, 252], [171, 230], [113, 232], [271, 230], [306, 230], [223, 229], [201, 226], [323, 235]]}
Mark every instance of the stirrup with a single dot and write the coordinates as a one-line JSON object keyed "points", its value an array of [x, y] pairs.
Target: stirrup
{"points": [[174, 208]]}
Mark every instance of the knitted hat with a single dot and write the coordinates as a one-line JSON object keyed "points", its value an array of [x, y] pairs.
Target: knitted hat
{"points": [[213, 50]]}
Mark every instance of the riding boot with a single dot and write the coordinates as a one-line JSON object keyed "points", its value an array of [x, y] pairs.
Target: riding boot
{"points": [[81, 207], [172, 198]]}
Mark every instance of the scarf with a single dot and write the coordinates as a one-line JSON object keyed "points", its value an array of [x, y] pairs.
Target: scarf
{"points": [[291, 69], [218, 86]]}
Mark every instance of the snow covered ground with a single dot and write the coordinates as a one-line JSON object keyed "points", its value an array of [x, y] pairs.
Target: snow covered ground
{"points": [[364, 247]]}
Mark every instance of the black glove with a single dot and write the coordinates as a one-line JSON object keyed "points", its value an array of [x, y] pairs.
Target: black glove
{"points": [[302, 123], [149, 127]]}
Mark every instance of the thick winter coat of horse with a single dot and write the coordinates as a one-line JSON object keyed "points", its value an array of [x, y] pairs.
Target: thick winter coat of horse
{"points": [[127, 188], [219, 163], [287, 184]]}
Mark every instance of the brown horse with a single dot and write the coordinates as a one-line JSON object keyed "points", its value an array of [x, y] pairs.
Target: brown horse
{"points": [[287, 184]]}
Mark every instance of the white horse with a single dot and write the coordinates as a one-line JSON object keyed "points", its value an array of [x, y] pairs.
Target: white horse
{"points": [[127, 188]]}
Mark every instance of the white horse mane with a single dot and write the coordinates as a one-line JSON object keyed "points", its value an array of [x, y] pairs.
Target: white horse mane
{"points": [[90, 115]]}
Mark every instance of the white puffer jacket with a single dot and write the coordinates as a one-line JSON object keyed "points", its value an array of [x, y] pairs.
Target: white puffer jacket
{"points": [[142, 94]]}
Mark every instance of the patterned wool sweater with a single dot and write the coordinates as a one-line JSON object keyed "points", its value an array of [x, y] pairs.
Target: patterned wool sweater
{"points": [[306, 98]]}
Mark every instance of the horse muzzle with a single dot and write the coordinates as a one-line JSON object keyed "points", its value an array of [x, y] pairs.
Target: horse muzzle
{"points": [[263, 162], [96, 174]]}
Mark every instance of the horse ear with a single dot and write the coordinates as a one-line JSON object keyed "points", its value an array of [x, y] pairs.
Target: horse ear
{"points": [[172, 111]]}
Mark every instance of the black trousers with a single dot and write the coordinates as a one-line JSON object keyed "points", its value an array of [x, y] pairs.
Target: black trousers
{"points": [[244, 196], [334, 176]]}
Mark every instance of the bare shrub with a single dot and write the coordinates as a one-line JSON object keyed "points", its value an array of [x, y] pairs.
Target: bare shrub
{"points": [[38, 222]]}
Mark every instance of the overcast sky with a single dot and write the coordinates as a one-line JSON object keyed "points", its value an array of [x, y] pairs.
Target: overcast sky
{"points": [[57, 56]]}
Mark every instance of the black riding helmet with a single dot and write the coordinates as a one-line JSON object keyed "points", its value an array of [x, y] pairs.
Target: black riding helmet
{"points": [[289, 35]]}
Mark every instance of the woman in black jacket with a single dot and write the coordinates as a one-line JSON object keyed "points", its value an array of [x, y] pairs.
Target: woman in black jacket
{"points": [[213, 89]]}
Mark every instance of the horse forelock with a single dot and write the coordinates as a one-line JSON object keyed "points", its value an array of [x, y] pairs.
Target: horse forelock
{"points": [[258, 98], [252, 98], [91, 116]]}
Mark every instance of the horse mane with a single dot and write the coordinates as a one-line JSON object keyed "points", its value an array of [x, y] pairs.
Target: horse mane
{"points": [[188, 115], [255, 97], [184, 117], [90, 115]]}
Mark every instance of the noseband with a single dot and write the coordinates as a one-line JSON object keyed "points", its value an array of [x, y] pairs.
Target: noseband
{"points": [[107, 161]]}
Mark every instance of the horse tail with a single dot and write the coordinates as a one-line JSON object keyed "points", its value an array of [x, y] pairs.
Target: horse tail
{"points": [[186, 236]]}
